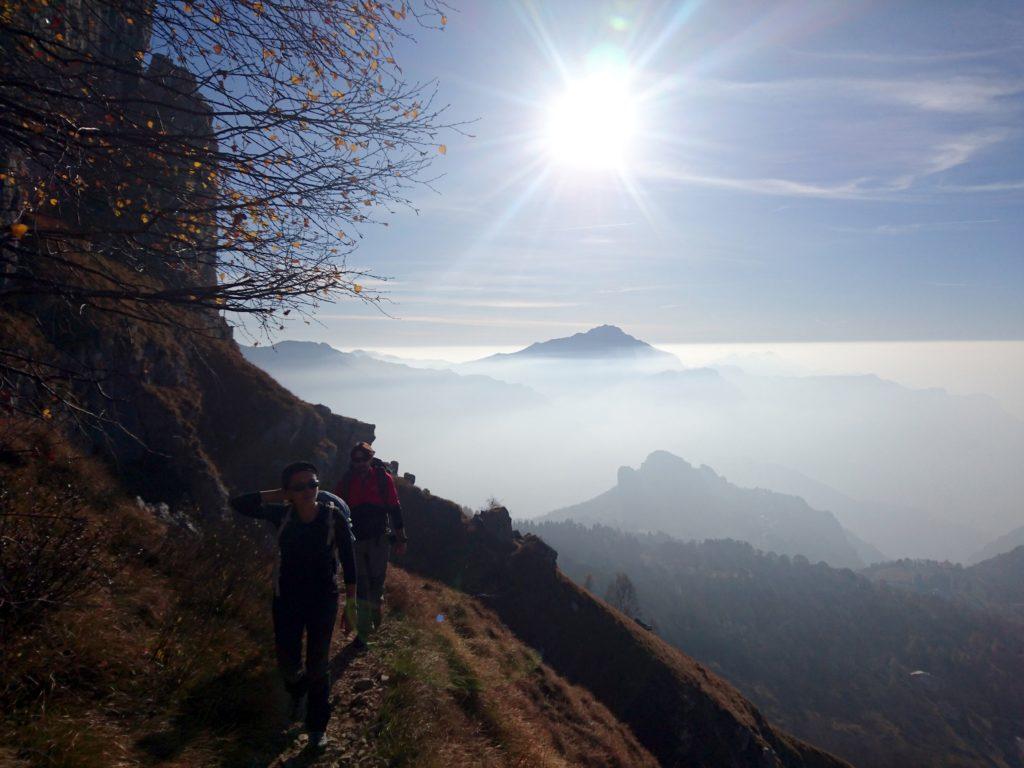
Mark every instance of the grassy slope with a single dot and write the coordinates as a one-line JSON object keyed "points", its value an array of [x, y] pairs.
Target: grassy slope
{"points": [[164, 658], [683, 713], [466, 692]]}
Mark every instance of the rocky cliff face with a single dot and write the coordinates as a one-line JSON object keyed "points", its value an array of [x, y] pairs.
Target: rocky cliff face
{"points": [[148, 108], [187, 419], [169, 399]]}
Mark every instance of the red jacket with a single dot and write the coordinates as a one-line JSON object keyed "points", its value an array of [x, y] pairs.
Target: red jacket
{"points": [[373, 499], [365, 488]]}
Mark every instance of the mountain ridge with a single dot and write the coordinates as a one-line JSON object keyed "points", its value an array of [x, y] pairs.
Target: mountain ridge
{"points": [[1005, 543], [668, 494], [600, 342], [880, 676]]}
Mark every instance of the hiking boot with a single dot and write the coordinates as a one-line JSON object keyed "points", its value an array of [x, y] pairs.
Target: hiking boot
{"points": [[318, 740]]}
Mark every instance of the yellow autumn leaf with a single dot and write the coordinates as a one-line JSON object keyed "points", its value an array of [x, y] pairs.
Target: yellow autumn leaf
{"points": [[357, 288], [442, 149], [18, 231]]}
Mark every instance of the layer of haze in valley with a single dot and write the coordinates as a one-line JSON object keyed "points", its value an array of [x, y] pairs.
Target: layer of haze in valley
{"points": [[913, 447], [846, 177]]}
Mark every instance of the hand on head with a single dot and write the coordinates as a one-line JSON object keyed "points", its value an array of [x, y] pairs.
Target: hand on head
{"points": [[300, 483]]}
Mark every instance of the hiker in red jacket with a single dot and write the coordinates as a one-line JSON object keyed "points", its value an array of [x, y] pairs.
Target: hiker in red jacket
{"points": [[369, 490]]}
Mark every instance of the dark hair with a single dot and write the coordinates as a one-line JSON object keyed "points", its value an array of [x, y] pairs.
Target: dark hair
{"points": [[294, 468], [361, 449]]}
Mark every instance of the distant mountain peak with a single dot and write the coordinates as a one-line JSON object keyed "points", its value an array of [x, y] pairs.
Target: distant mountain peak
{"points": [[671, 495], [602, 341]]}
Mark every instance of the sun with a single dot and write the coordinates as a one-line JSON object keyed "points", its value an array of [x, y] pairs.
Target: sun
{"points": [[592, 123]]}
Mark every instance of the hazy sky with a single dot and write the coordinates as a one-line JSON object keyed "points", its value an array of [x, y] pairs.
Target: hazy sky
{"points": [[804, 171]]}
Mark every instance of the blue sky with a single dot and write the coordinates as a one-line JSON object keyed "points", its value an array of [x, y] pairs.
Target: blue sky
{"points": [[800, 172]]}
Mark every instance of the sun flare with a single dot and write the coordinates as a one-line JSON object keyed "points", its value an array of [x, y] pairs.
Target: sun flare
{"points": [[592, 123]]}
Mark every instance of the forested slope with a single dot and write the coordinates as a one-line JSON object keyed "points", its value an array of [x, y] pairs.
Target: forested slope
{"points": [[878, 675]]}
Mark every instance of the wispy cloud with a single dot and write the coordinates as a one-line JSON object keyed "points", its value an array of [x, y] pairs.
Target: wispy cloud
{"points": [[593, 227], [846, 190], [628, 289], [995, 186], [964, 95], [917, 226], [905, 57], [471, 321], [487, 303], [958, 150], [943, 155]]}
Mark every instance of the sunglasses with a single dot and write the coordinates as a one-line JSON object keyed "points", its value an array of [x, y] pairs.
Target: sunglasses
{"points": [[305, 486], [362, 460]]}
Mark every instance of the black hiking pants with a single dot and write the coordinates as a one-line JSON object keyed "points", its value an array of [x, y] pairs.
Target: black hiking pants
{"points": [[314, 615]]}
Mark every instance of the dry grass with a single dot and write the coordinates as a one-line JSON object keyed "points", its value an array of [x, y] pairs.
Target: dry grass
{"points": [[466, 692], [164, 658]]}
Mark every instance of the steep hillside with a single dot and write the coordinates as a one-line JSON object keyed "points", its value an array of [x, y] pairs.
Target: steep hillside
{"points": [[996, 584], [679, 710], [667, 494], [879, 676], [140, 641], [447, 686], [1005, 543], [182, 414]]}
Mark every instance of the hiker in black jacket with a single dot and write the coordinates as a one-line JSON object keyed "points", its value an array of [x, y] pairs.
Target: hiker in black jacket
{"points": [[314, 537]]}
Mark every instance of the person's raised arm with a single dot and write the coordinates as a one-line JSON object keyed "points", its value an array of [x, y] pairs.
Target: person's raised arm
{"points": [[262, 504]]}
